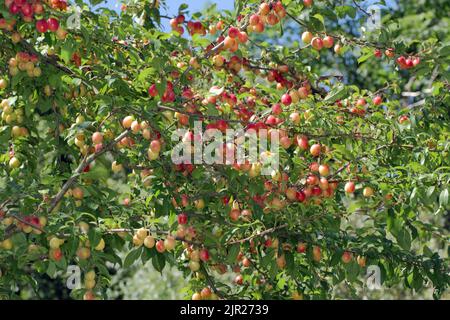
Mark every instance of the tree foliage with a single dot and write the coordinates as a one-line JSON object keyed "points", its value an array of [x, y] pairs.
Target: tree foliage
{"points": [[87, 117]]}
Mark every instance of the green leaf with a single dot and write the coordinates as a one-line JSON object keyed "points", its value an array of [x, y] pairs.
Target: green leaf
{"points": [[267, 258], [427, 252], [159, 262], [233, 253], [144, 74], [147, 254], [336, 93], [342, 11], [132, 256], [367, 53], [336, 258], [443, 198], [182, 7], [404, 239], [281, 283], [290, 263], [66, 51], [273, 269], [94, 236], [5, 134], [430, 191], [51, 270], [352, 271], [76, 82], [320, 18], [415, 279], [445, 51]]}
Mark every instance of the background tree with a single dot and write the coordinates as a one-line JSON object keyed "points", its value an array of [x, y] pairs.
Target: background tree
{"points": [[86, 169]]}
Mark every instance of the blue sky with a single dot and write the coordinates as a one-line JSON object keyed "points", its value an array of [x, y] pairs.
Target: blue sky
{"points": [[173, 5], [198, 5]]}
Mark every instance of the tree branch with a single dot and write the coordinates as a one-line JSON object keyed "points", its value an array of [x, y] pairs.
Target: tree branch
{"points": [[158, 232], [361, 9], [20, 219], [356, 159], [211, 283], [86, 161], [259, 234]]}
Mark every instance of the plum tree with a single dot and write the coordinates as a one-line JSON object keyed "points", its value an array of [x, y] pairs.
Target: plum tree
{"points": [[87, 168]]}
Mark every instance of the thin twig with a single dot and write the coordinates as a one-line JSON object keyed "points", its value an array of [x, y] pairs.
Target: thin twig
{"points": [[20, 219], [259, 234], [361, 9], [211, 283]]}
